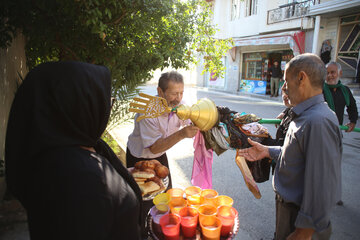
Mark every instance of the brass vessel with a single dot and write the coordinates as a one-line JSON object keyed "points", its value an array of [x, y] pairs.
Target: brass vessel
{"points": [[203, 114]]}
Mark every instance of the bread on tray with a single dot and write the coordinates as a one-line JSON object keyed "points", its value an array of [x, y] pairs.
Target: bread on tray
{"points": [[149, 175]]}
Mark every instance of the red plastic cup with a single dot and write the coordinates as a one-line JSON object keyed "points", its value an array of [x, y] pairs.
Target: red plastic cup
{"points": [[189, 220], [157, 212], [170, 226], [227, 216]]}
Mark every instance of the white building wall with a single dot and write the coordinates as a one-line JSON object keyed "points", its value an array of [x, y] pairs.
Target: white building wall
{"points": [[233, 72], [255, 24], [330, 31]]}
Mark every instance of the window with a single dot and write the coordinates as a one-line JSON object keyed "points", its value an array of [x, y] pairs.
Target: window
{"points": [[253, 70], [251, 7], [235, 9], [252, 67]]}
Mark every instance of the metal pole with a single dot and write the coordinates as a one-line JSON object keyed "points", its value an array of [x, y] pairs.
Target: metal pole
{"points": [[277, 121]]}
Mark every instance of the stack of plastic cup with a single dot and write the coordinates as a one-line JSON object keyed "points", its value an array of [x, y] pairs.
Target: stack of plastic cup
{"points": [[170, 226], [175, 193], [176, 204], [210, 228], [193, 194], [209, 196], [223, 200], [189, 221], [227, 217], [207, 211], [161, 198], [156, 213]]}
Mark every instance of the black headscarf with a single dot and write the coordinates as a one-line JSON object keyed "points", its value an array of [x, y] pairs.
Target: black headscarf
{"points": [[58, 104]]}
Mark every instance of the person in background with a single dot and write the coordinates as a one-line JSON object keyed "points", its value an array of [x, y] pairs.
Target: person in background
{"points": [[286, 118], [152, 137], [282, 128], [70, 182], [276, 75], [338, 97], [307, 176]]}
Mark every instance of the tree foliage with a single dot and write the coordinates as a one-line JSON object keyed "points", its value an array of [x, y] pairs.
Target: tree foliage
{"points": [[131, 37]]}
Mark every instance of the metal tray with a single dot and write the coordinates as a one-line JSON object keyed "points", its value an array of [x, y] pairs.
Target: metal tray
{"points": [[151, 196], [165, 182], [153, 236]]}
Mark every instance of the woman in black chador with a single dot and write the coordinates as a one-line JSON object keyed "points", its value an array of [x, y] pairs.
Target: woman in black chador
{"points": [[70, 182]]}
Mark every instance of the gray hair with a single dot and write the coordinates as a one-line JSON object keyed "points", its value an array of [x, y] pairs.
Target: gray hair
{"points": [[334, 63], [312, 65], [169, 76]]}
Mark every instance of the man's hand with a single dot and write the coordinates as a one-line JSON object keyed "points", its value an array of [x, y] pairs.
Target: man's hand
{"points": [[189, 131], [351, 126], [254, 153], [301, 234]]}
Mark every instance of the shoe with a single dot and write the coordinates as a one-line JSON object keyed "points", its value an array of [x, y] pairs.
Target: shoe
{"points": [[340, 203]]}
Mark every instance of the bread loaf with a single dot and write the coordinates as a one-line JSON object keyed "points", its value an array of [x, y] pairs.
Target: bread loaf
{"points": [[161, 171], [148, 165], [149, 187], [147, 173], [156, 162], [138, 165]]}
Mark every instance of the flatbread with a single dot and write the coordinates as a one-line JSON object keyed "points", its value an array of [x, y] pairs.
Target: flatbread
{"points": [[248, 178]]}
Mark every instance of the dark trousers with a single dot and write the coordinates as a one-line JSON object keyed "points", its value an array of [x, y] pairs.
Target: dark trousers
{"points": [[147, 205], [286, 214]]}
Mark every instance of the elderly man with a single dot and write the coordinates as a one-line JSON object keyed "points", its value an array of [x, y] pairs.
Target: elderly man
{"points": [[307, 176], [152, 137], [339, 96]]}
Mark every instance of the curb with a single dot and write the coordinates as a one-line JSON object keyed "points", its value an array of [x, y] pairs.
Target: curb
{"points": [[122, 154]]}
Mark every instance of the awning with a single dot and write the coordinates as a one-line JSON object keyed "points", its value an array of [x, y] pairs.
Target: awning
{"points": [[296, 41]]}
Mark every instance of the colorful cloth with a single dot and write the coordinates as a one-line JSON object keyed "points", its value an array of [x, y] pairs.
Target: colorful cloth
{"points": [[202, 166], [220, 138]]}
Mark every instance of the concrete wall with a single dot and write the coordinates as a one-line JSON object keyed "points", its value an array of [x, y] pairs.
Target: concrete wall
{"points": [[329, 30], [255, 24], [12, 64]]}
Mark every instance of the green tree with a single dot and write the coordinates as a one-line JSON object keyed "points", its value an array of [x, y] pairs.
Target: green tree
{"points": [[131, 37]]}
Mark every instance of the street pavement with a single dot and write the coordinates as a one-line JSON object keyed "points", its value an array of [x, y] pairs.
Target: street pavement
{"points": [[257, 216]]}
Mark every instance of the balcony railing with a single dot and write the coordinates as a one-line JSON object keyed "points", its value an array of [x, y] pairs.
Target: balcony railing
{"points": [[289, 11]]}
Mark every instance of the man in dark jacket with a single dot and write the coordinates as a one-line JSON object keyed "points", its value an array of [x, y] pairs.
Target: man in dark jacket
{"points": [[338, 96], [276, 75]]}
